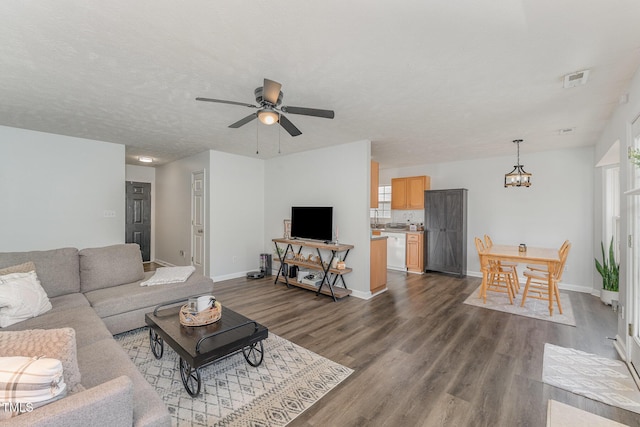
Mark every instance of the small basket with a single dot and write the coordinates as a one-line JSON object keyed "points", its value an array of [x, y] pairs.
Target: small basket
{"points": [[204, 317]]}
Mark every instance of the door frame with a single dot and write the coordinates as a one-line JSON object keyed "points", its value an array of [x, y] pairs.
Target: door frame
{"points": [[205, 264], [148, 211], [633, 268]]}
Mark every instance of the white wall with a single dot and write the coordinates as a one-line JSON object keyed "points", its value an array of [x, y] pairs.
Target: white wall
{"points": [[137, 173], [544, 214], [236, 214], [173, 209], [619, 128], [55, 190], [336, 176]]}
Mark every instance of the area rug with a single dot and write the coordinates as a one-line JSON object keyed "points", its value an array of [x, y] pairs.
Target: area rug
{"points": [[535, 308], [289, 380], [561, 415], [590, 375]]}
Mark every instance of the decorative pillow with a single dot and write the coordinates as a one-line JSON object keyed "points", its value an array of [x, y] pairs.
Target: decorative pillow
{"points": [[27, 383], [21, 297], [164, 275], [21, 268], [54, 343]]}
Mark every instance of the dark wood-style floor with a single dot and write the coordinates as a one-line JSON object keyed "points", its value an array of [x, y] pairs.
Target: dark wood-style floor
{"points": [[423, 358]]}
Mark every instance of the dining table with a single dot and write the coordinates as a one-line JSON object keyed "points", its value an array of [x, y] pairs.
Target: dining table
{"points": [[530, 255]]}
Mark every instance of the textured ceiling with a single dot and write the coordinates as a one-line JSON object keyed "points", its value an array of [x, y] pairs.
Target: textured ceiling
{"points": [[425, 80]]}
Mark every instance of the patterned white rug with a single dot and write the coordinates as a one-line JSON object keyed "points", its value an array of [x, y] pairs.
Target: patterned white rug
{"points": [[590, 375], [289, 380], [535, 308]]}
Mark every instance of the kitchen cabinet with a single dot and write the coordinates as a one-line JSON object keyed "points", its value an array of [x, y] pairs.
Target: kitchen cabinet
{"points": [[375, 178], [408, 192], [378, 264], [415, 252], [445, 218]]}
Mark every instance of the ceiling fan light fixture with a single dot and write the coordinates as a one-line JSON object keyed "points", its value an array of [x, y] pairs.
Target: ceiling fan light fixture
{"points": [[268, 117]]}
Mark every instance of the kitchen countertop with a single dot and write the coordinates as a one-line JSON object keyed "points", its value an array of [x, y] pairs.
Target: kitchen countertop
{"points": [[379, 237], [396, 230]]}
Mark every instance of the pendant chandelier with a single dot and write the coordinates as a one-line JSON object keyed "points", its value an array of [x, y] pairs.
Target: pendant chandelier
{"points": [[517, 177]]}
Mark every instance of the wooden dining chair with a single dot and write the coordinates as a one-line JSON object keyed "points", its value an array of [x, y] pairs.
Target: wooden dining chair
{"points": [[498, 278], [537, 267], [538, 285], [506, 265]]}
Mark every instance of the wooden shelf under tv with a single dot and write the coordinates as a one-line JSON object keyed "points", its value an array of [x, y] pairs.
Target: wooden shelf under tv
{"points": [[334, 274]]}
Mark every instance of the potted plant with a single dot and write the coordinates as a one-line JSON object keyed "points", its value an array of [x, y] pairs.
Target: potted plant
{"points": [[609, 270]]}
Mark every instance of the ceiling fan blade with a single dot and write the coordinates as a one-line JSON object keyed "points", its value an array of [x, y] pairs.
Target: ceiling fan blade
{"points": [[222, 101], [327, 114], [271, 91], [244, 121], [289, 127]]}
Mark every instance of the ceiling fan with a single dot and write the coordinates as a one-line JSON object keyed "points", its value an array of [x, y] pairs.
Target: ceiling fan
{"points": [[269, 98]]}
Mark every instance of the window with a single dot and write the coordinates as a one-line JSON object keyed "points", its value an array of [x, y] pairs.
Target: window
{"points": [[384, 203]]}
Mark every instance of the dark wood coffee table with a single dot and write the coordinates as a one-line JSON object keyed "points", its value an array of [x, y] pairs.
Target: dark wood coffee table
{"points": [[198, 346]]}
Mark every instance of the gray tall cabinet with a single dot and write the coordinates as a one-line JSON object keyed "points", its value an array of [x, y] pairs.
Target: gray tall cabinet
{"points": [[445, 215]]}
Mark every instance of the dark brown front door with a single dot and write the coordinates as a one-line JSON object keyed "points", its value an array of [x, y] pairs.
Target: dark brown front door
{"points": [[138, 223]]}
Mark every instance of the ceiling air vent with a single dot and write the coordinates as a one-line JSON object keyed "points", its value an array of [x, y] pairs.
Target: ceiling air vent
{"points": [[575, 79], [566, 131]]}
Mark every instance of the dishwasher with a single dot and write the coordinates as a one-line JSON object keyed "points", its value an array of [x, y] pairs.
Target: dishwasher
{"points": [[396, 250]]}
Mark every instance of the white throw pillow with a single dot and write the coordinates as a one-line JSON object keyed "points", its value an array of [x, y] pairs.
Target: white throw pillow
{"points": [[21, 297], [164, 275], [27, 383]]}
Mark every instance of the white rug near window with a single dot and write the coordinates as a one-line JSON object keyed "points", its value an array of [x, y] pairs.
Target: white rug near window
{"points": [[534, 308], [289, 380], [561, 415], [598, 378]]}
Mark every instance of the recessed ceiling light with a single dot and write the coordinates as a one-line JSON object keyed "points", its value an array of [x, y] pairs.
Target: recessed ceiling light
{"points": [[144, 159], [576, 79]]}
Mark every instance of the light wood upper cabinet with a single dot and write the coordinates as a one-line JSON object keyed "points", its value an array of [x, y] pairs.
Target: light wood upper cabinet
{"points": [[375, 178], [408, 192]]}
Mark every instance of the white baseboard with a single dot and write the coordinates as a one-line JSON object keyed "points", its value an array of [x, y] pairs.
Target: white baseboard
{"points": [[363, 295], [230, 276], [163, 263], [563, 286], [620, 347]]}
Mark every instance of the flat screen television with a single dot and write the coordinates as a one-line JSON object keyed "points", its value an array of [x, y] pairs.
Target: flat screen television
{"points": [[312, 222]]}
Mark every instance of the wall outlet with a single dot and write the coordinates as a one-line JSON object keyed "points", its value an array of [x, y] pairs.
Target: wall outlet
{"points": [[109, 214], [181, 252], [234, 259]]}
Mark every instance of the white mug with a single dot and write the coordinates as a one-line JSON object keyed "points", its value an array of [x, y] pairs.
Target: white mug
{"points": [[205, 302]]}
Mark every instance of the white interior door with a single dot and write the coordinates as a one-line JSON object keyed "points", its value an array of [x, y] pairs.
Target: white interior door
{"points": [[633, 295], [198, 222]]}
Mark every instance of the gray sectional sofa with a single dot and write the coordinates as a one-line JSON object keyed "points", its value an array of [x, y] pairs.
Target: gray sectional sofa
{"points": [[97, 292]]}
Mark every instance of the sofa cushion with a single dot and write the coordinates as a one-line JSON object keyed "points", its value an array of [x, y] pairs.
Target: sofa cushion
{"points": [[109, 301], [21, 298], [84, 320], [110, 266], [57, 269], [65, 302], [57, 344], [105, 360]]}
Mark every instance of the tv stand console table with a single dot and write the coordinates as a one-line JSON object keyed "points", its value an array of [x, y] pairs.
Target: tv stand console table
{"points": [[330, 275]]}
